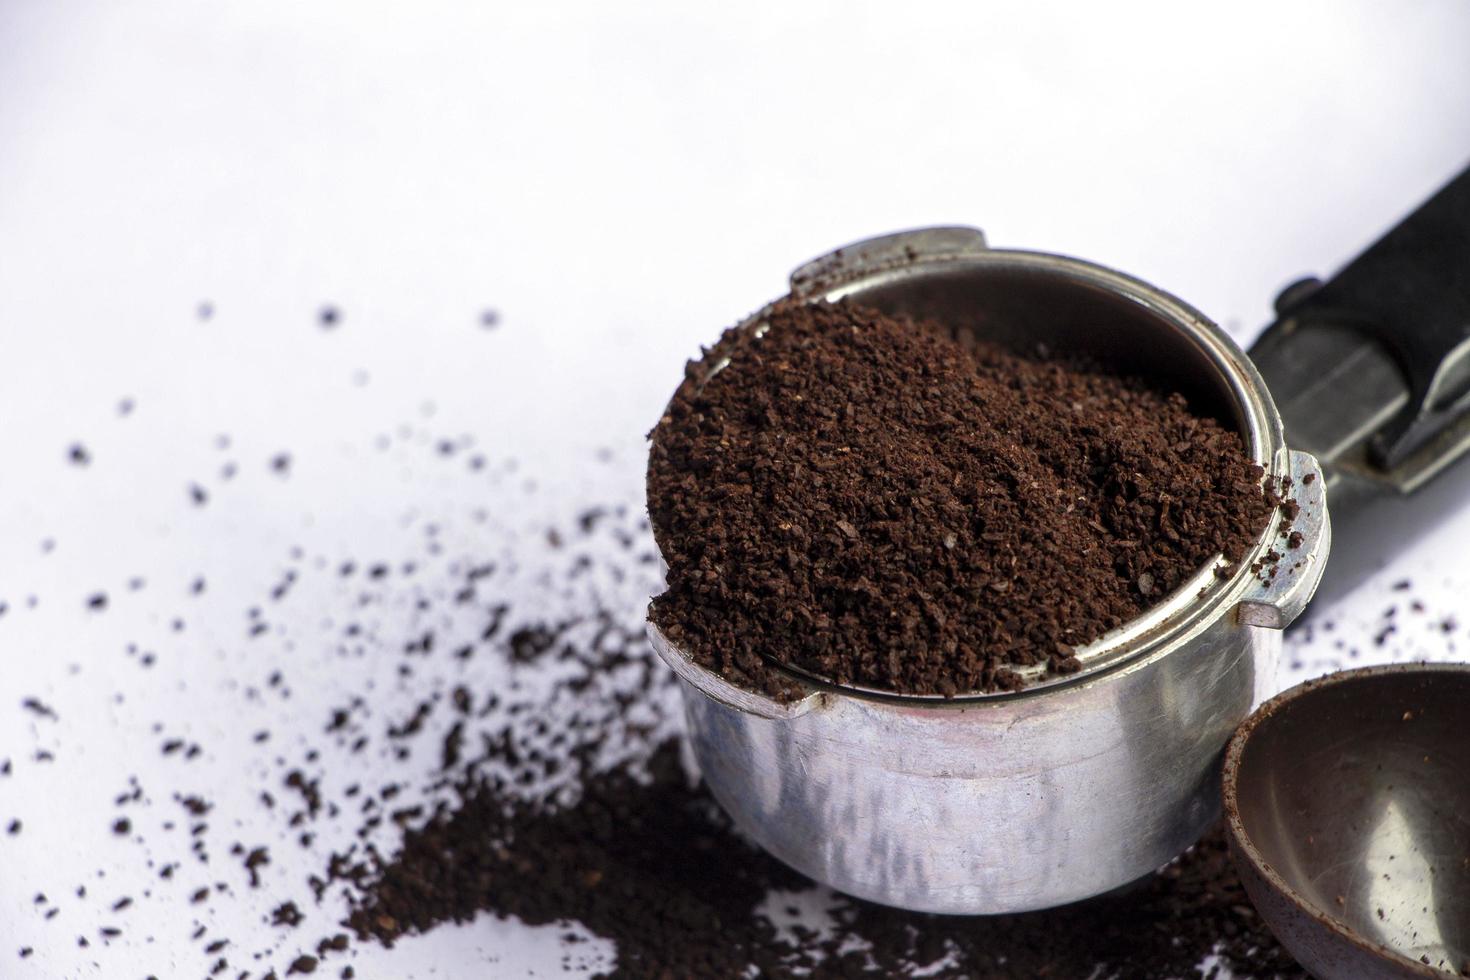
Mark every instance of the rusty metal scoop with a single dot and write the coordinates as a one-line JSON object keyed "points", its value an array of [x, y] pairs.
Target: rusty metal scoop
{"points": [[1347, 802]]}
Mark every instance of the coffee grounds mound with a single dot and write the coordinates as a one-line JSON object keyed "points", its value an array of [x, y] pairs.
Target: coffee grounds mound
{"points": [[653, 864], [864, 497]]}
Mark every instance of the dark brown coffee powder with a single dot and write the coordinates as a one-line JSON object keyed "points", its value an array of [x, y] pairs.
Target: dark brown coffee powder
{"points": [[521, 763], [865, 498]]}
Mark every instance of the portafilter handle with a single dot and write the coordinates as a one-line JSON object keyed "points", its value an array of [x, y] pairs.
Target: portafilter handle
{"points": [[1371, 373]]}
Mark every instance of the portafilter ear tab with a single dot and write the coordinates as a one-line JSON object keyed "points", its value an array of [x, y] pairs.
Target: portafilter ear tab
{"points": [[1280, 595], [872, 255]]}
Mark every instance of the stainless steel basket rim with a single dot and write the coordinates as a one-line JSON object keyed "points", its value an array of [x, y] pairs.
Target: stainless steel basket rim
{"points": [[1189, 608]]}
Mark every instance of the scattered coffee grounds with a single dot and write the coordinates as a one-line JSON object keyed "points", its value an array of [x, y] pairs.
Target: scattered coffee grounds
{"points": [[462, 718], [863, 497], [655, 866], [567, 802]]}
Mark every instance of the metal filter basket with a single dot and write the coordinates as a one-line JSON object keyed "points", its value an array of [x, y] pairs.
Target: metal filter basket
{"points": [[1076, 785]]}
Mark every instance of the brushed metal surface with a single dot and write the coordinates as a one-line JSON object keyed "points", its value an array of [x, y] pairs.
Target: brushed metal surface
{"points": [[990, 804]]}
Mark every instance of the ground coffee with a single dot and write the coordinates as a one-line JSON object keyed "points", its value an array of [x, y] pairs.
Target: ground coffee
{"points": [[552, 793], [654, 865], [868, 499]]}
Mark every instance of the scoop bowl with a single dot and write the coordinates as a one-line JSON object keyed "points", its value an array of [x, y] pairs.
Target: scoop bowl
{"points": [[1347, 805]]}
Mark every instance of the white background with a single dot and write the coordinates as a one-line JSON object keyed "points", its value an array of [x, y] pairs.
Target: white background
{"points": [[620, 183]]}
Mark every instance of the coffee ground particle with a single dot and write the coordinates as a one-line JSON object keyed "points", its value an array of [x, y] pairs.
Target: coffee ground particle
{"points": [[870, 500], [287, 914], [302, 964], [39, 708]]}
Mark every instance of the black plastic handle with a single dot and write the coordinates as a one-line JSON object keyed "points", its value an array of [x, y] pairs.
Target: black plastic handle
{"points": [[1371, 373]]}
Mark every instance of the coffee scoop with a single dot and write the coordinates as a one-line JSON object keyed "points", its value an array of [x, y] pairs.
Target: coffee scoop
{"points": [[1347, 805]]}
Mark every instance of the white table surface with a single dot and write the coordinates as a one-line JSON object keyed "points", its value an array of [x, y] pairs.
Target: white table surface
{"points": [[619, 184]]}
